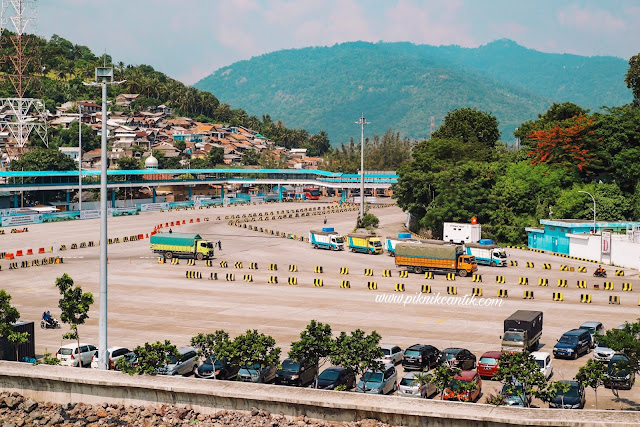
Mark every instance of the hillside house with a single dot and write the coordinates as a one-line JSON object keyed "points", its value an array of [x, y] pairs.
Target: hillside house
{"points": [[126, 99]]}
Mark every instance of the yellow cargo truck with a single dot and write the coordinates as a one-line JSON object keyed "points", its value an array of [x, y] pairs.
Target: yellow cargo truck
{"points": [[181, 245], [365, 243]]}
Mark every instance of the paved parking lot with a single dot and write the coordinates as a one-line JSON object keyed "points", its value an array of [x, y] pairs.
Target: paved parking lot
{"points": [[149, 301]]}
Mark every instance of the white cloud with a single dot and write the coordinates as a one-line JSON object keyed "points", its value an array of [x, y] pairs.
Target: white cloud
{"points": [[591, 20]]}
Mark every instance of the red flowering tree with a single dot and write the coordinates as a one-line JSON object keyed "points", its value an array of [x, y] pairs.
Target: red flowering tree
{"points": [[565, 144]]}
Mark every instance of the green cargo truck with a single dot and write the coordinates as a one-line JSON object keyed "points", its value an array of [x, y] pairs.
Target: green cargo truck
{"points": [[181, 245]]}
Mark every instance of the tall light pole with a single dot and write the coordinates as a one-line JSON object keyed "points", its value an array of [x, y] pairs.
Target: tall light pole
{"points": [[362, 122], [104, 77], [79, 157], [594, 209]]}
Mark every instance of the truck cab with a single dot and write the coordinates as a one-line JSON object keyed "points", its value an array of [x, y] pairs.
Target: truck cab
{"points": [[467, 265], [514, 340]]}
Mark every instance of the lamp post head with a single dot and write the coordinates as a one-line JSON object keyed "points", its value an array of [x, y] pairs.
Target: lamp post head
{"points": [[104, 74]]}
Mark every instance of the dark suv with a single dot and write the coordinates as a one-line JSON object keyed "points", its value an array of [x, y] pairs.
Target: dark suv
{"points": [[296, 373], [421, 357], [572, 344]]}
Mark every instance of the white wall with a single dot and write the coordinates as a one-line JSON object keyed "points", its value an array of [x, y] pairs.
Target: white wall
{"points": [[624, 253]]}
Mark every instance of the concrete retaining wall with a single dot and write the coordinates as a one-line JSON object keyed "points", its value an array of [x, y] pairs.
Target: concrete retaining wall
{"points": [[69, 385]]}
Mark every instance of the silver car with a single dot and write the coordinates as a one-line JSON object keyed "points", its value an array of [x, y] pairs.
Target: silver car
{"points": [[255, 374], [603, 354], [185, 364], [409, 388], [392, 354]]}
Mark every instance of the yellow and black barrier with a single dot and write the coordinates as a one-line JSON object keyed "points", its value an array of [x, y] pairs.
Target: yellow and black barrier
{"points": [[585, 298], [477, 278], [63, 247], [318, 283], [161, 260], [614, 299], [193, 275], [318, 269], [627, 287], [619, 273], [503, 293], [59, 260], [292, 280], [451, 276], [582, 269], [208, 263], [74, 246], [293, 268], [564, 268], [513, 263], [608, 286], [237, 265], [253, 266], [230, 277], [562, 283], [426, 289], [345, 284], [273, 267], [273, 279], [428, 275], [386, 273], [527, 295], [530, 264], [581, 284], [452, 290], [500, 279], [344, 270], [191, 262], [35, 262], [523, 281], [543, 282], [213, 276], [546, 266], [558, 296], [372, 286], [175, 261], [476, 292], [248, 278], [13, 265], [223, 264], [368, 272], [24, 264], [399, 287], [403, 274]]}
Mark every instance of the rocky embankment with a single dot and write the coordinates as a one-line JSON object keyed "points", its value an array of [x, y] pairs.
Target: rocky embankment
{"points": [[16, 411]]}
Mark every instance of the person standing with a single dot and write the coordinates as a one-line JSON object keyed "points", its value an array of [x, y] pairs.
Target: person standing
{"points": [[219, 245]]}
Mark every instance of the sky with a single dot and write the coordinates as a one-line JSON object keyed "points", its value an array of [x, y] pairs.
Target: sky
{"points": [[189, 39]]}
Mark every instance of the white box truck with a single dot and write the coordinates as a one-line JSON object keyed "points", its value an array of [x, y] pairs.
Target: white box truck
{"points": [[456, 232], [487, 254], [390, 242], [328, 238]]}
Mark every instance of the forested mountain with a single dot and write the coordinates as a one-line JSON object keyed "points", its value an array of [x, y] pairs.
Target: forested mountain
{"points": [[400, 85]]}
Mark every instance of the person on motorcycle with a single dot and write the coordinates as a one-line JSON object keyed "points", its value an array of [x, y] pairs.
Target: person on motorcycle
{"points": [[46, 316], [600, 271]]}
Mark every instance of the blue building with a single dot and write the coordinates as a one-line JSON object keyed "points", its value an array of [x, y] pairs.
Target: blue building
{"points": [[554, 236]]}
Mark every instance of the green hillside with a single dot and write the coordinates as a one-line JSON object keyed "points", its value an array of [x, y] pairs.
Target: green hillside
{"points": [[401, 85]]}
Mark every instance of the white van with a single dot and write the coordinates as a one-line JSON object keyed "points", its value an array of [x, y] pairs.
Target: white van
{"points": [[68, 354]]}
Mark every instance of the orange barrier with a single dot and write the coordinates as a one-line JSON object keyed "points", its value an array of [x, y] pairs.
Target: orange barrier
{"points": [[183, 221], [19, 253], [29, 251], [141, 236], [9, 256], [197, 219], [167, 224], [191, 221], [41, 250], [171, 223]]}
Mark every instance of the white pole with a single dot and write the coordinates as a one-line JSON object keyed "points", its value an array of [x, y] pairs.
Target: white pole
{"points": [[362, 122], [102, 323], [80, 157]]}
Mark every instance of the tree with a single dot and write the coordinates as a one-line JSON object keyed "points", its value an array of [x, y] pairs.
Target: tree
{"points": [[592, 375], [521, 372], [470, 126], [369, 221], [43, 159], [250, 157], [74, 306], [128, 163], [253, 348], [632, 79], [625, 341], [213, 158], [441, 377], [358, 352], [315, 345], [214, 346], [150, 358], [180, 145], [8, 316]]}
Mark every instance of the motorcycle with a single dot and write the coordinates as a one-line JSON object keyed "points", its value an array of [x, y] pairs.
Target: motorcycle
{"points": [[600, 273], [52, 324]]}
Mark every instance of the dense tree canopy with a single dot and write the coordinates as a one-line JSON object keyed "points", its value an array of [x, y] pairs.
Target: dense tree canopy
{"points": [[632, 79], [470, 126]]}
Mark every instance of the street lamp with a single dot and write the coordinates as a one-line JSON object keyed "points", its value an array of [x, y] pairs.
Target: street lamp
{"points": [[104, 77], [362, 122], [594, 209]]}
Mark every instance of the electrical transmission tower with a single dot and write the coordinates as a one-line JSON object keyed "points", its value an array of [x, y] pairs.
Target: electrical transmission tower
{"points": [[24, 116]]}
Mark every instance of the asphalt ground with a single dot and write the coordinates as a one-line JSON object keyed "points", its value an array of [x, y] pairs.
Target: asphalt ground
{"points": [[149, 301]]}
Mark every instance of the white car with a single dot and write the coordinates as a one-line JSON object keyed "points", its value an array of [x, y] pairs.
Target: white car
{"points": [[408, 387], [544, 360], [594, 328], [392, 354], [113, 354], [603, 354], [68, 354]]}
